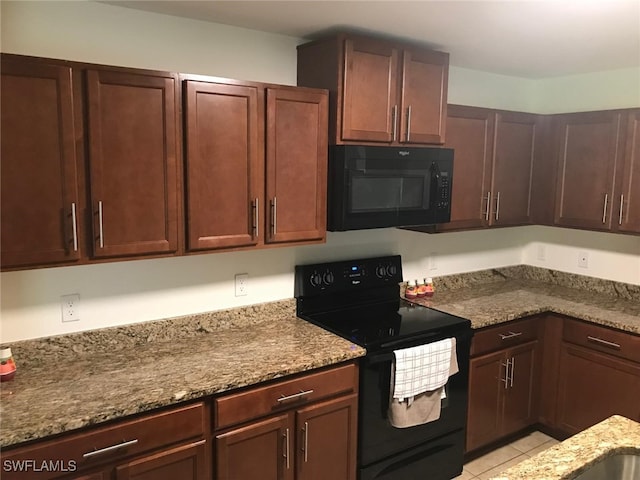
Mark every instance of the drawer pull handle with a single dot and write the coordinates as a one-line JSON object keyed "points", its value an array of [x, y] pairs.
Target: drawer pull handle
{"points": [[110, 449], [509, 335], [605, 343], [284, 398]]}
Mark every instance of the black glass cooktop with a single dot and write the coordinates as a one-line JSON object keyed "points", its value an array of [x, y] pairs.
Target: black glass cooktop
{"points": [[387, 324]]}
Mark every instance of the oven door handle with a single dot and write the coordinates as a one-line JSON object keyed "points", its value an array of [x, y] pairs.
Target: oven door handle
{"points": [[410, 340]]}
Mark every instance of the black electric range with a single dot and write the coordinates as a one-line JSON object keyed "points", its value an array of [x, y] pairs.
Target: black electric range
{"points": [[359, 300]]}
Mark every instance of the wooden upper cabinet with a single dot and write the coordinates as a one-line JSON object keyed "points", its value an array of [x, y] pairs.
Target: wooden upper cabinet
{"points": [[382, 92], [370, 91], [425, 78], [513, 159], [41, 213], [588, 156], [470, 133], [223, 165], [296, 165], [133, 162], [628, 199]]}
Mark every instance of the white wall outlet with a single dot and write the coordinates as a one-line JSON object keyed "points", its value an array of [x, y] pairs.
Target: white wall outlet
{"points": [[542, 252], [433, 261], [583, 259], [70, 305], [241, 284]]}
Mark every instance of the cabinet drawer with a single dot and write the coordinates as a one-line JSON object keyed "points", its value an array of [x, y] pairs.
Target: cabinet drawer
{"points": [[504, 335], [257, 402], [603, 339], [119, 440]]}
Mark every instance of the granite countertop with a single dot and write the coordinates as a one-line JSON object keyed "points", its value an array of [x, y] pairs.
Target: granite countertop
{"points": [[495, 296], [72, 381], [108, 374], [568, 459]]}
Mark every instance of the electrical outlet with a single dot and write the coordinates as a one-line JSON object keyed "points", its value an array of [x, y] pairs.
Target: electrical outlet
{"points": [[583, 259], [542, 252], [433, 261], [241, 284], [70, 305]]}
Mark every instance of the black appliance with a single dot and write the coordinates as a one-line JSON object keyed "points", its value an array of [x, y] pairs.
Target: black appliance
{"points": [[359, 300], [376, 187]]}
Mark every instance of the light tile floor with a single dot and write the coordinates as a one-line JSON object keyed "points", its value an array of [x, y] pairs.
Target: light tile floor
{"points": [[491, 464]]}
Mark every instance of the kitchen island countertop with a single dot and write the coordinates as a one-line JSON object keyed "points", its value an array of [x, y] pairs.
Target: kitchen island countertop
{"points": [[568, 459]]}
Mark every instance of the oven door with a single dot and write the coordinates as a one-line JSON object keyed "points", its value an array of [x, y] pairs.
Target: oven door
{"points": [[378, 439]]}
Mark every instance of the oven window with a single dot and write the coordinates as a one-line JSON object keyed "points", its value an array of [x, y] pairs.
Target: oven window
{"points": [[381, 193]]}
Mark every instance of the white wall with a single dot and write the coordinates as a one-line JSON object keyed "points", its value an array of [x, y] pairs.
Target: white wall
{"points": [[126, 292]]}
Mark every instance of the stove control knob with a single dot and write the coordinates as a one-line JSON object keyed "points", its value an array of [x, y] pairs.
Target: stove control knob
{"points": [[327, 278], [315, 279], [380, 271], [391, 270]]}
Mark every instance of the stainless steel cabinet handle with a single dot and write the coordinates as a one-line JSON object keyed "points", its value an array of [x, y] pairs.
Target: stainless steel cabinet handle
{"points": [[100, 224], [506, 374], [509, 335], [513, 366], [408, 122], [621, 207], [256, 216], [274, 213], [394, 121], [486, 213], [306, 440], [605, 343], [75, 227], [110, 449], [497, 205], [284, 398], [286, 447], [604, 210]]}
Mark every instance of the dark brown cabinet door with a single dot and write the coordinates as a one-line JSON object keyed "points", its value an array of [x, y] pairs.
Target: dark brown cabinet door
{"points": [[370, 91], [296, 167], [133, 161], [520, 395], [587, 160], [327, 435], [487, 377], [40, 215], [470, 134], [186, 462], [223, 166], [262, 450], [594, 386], [424, 91], [513, 155], [628, 207]]}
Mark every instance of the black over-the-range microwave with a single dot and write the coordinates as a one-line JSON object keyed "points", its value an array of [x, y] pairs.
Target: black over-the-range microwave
{"points": [[376, 187]]}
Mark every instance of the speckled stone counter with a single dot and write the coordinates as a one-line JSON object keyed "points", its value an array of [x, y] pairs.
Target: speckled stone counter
{"points": [[494, 296], [568, 459], [72, 381]]}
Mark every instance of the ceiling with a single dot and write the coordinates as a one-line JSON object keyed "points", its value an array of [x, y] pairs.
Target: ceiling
{"points": [[523, 38]]}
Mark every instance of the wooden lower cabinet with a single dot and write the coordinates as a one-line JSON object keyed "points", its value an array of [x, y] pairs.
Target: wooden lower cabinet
{"points": [[166, 445], [593, 386], [186, 462], [302, 428], [502, 387], [316, 442]]}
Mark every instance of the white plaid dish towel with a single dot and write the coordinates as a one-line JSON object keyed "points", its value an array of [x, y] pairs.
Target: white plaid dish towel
{"points": [[421, 369]]}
